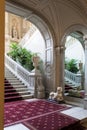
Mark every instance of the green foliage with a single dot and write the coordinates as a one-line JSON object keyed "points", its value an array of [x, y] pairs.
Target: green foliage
{"points": [[71, 65], [14, 48], [21, 55]]}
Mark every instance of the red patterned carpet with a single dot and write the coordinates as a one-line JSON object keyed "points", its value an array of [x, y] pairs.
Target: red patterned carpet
{"points": [[19, 111], [54, 121], [38, 115]]}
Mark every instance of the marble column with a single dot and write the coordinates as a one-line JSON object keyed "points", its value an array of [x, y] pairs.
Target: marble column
{"points": [[85, 84], [57, 68], [60, 55]]}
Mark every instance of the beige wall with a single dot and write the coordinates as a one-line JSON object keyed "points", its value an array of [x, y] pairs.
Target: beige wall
{"points": [[59, 15], [1, 62]]}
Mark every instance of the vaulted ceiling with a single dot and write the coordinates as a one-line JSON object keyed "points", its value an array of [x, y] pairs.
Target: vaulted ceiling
{"points": [[34, 4]]}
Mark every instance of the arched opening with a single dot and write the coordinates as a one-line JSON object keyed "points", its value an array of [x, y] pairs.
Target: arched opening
{"points": [[47, 38], [74, 65], [76, 32]]}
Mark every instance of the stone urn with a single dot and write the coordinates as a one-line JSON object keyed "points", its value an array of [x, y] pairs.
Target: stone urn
{"points": [[35, 60]]}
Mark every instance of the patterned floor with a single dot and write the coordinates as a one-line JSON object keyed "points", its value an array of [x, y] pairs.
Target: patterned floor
{"points": [[40, 115], [20, 111]]}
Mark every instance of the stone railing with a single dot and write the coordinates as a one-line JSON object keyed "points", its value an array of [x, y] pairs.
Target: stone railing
{"points": [[73, 78], [32, 79]]}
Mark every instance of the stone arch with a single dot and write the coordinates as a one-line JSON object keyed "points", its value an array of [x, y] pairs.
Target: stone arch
{"points": [[73, 28], [83, 30], [43, 27]]}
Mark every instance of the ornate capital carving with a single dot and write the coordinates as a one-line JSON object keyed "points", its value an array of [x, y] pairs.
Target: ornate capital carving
{"points": [[60, 49], [57, 50]]}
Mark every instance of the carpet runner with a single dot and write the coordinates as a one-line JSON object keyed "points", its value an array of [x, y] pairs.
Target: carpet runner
{"points": [[67, 88], [10, 93]]}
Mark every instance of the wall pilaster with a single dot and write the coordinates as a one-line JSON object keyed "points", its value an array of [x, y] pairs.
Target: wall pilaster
{"points": [[85, 84]]}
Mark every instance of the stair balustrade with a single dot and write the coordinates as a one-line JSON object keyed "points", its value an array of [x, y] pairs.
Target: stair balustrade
{"points": [[25, 76], [73, 78], [28, 35]]}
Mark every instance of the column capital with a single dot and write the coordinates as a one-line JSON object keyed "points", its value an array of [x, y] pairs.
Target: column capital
{"points": [[85, 41], [85, 37], [59, 49]]}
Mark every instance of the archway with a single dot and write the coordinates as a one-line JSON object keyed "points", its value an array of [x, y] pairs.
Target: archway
{"points": [[73, 31], [74, 66], [45, 31]]}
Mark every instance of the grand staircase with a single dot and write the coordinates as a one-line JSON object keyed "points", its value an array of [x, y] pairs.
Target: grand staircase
{"points": [[72, 81], [14, 88]]}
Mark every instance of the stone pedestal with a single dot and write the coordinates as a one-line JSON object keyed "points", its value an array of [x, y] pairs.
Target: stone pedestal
{"points": [[40, 88], [38, 85]]}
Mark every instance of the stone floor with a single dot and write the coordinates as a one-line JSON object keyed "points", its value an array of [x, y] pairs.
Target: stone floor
{"points": [[78, 113]]}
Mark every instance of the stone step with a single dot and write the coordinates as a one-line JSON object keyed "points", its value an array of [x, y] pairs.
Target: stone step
{"points": [[17, 83], [11, 78], [17, 89], [24, 92], [27, 96], [12, 98], [14, 93], [9, 74], [15, 98]]}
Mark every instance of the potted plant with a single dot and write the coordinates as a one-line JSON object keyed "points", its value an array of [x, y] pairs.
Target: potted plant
{"points": [[72, 66]]}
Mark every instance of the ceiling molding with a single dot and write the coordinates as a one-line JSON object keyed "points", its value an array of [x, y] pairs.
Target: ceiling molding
{"points": [[9, 7]]}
